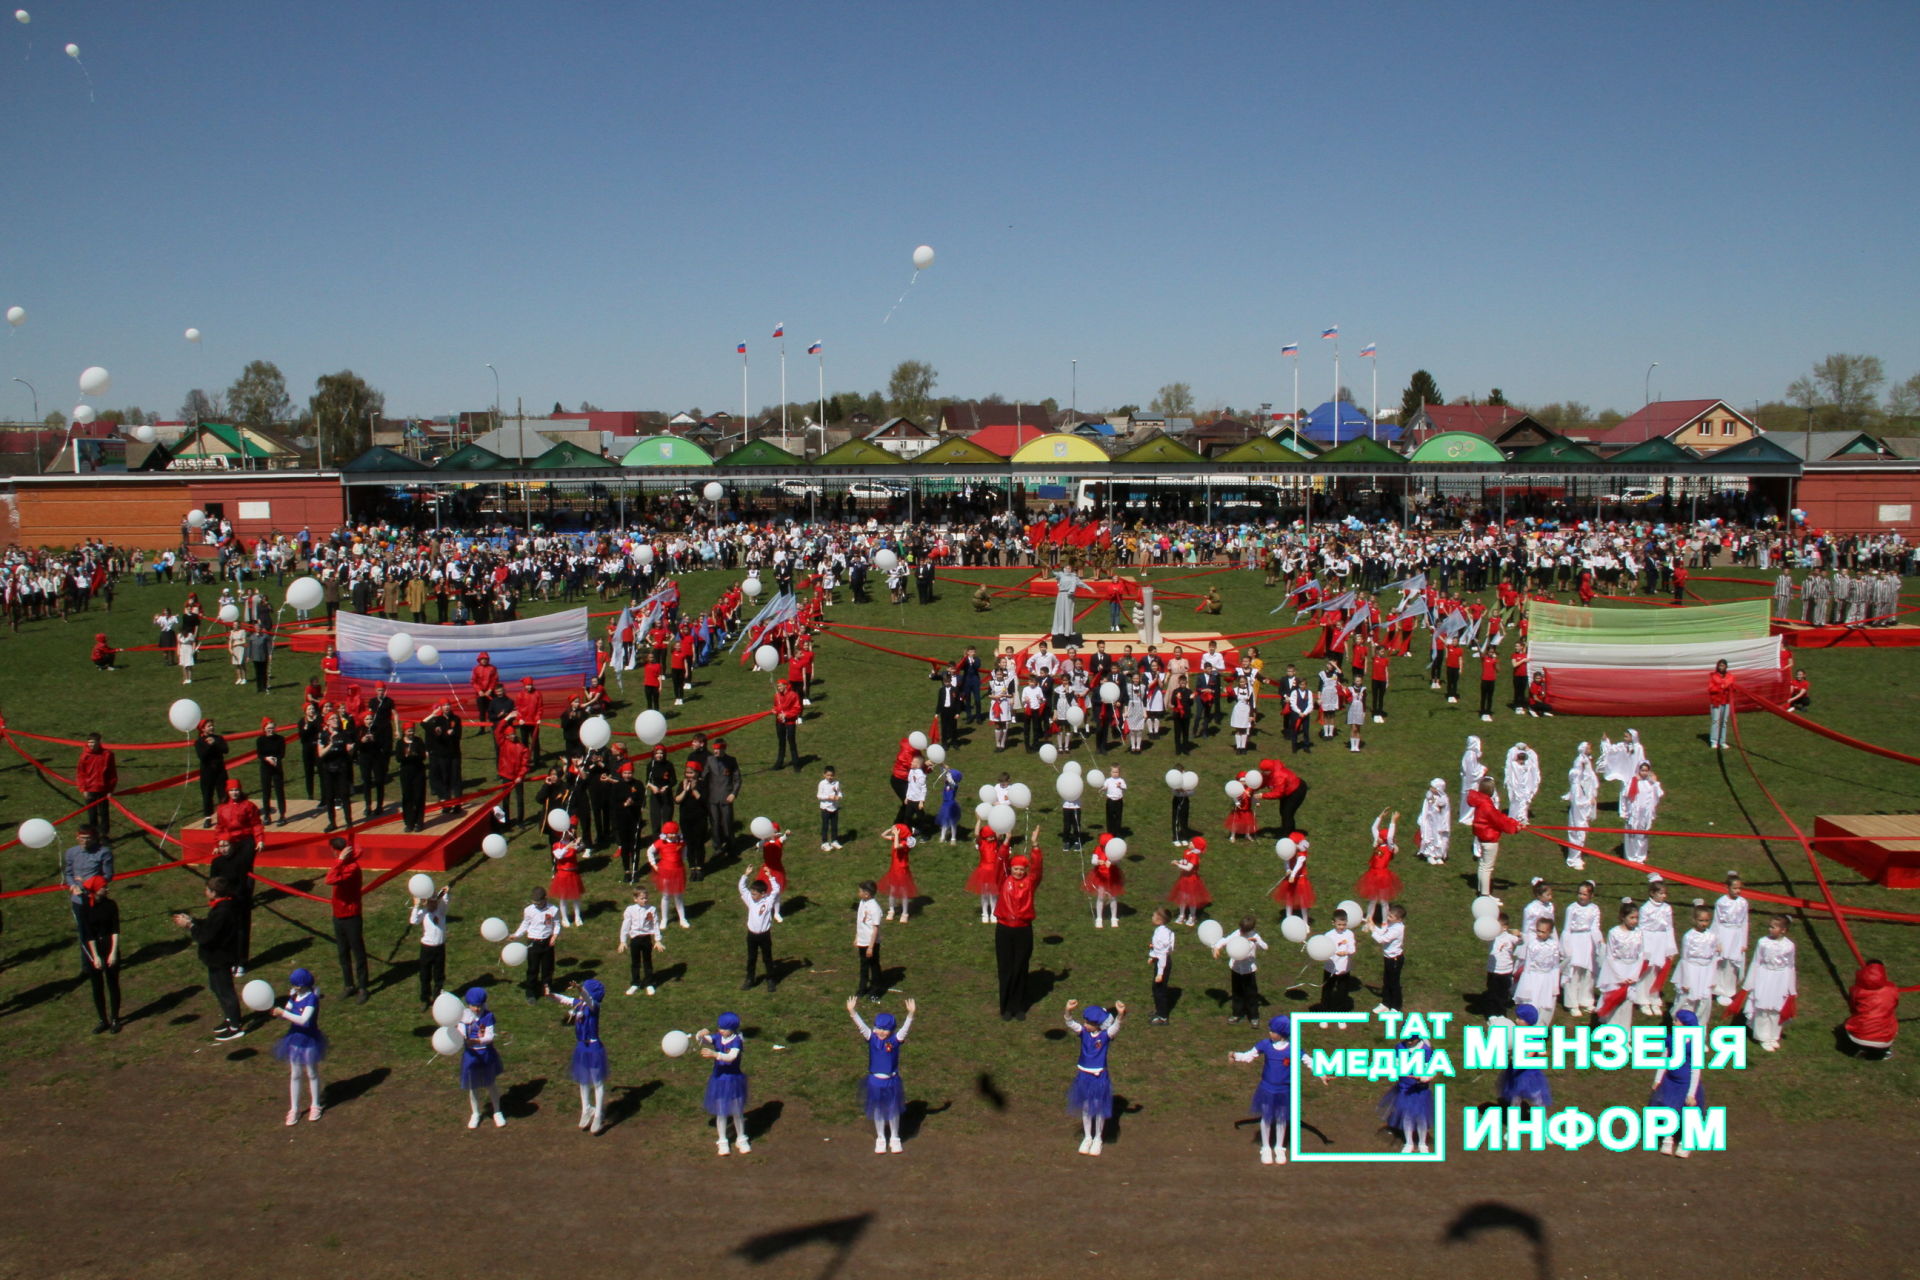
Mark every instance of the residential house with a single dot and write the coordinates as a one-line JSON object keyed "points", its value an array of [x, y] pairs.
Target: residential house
{"points": [[902, 436], [1513, 431], [1704, 426]]}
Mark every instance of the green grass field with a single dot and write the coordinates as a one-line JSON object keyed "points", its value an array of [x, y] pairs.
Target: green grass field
{"points": [[864, 702]]}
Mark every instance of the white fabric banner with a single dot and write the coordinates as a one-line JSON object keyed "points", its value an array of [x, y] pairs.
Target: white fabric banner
{"points": [[1741, 655], [358, 633]]}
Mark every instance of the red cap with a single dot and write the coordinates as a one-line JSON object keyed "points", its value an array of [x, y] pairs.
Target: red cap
{"points": [[233, 786], [669, 828]]}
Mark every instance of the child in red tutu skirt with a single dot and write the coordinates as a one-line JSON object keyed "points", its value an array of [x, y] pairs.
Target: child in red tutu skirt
{"points": [[1105, 881], [1378, 885], [1241, 824], [1189, 893], [897, 885], [1294, 893], [566, 888], [668, 858], [984, 881]]}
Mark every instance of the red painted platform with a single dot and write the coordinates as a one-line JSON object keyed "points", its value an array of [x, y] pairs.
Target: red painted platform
{"points": [[1798, 635], [447, 841], [1883, 847]]}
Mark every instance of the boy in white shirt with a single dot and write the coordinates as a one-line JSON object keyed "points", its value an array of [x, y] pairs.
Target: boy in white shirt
{"points": [[1392, 939], [1160, 957], [1245, 985], [1115, 788], [828, 793], [1339, 976], [866, 943], [431, 915], [640, 938]]}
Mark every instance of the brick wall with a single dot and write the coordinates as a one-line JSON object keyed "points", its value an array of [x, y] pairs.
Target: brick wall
{"points": [[147, 513]]}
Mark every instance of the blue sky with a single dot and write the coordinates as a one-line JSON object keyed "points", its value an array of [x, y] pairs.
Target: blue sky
{"points": [[603, 198]]}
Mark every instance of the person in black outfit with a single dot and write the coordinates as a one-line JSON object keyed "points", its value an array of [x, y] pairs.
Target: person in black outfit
{"points": [[691, 797], [373, 770], [629, 808], [661, 783], [102, 947], [411, 754], [233, 862], [271, 750], [384, 720], [443, 755], [308, 732], [335, 745], [211, 750], [1181, 709], [217, 936]]}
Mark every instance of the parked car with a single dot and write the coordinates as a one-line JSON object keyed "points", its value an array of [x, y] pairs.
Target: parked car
{"points": [[875, 491], [799, 488]]}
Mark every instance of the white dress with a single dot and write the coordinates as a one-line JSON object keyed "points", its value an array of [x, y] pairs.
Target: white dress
{"points": [[1656, 928], [1539, 983], [1620, 966], [1436, 822], [1730, 917], [1693, 971], [1242, 710], [1772, 977], [1580, 935], [1471, 771], [1642, 806], [1583, 799], [1523, 782]]}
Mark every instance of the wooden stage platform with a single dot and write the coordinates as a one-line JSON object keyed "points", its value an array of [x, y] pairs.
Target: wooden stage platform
{"points": [[447, 840], [1191, 643], [1799, 635], [1884, 847]]}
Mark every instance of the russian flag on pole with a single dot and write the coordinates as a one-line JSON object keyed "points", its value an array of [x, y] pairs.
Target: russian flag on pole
{"points": [[742, 348], [1331, 331], [1369, 350], [814, 350], [780, 331], [1291, 349]]}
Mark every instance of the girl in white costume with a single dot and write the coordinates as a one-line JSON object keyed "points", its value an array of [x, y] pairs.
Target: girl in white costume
{"points": [[1620, 761], [1522, 779], [1537, 975], [1730, 931], [1772, 985], [1471, 771], [1621, 964], [1580, 943], [1642, 807], [1540, 906], [1583, 801], [1693, 970], [1659, 946], [1436, 822]]}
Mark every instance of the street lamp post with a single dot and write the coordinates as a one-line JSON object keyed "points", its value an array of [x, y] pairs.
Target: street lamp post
{"points": [[1646, 385], [1073, 409], [36, 397], [496, 398]]}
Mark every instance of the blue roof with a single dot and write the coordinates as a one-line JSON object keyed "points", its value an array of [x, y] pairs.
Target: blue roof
{"points": [[1352, 422], [1095, 428]]}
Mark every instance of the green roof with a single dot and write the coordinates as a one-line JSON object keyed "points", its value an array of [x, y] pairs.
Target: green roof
{"points": [[760, 453], [1657, 450], [666, 451], [473, 457], [963, 452], [229, 435], [1752, 449], [1261, 449], [1558, 450], [1366, 449], [567, 456], [1159, 449], [1457, 446], [381, 458], [856, 453], [1305, 446]]}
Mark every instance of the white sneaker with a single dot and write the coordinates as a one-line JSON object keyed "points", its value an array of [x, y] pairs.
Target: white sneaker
{"points": [[473, 1121], [1422, 1149], [1487, 719], [1098, 924], [1094, 1150], [894, 1147], [1279, 1155], [1406, 1148], [742, 1145], [1086, 1145], [879, 1146], [649, 990], [586, 1116], [634, 991], [826, 848], [722, 1149], [1266, 1155], [1451, 700], [499, 1119]]}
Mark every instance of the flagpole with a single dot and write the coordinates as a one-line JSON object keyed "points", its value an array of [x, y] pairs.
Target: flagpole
{"points": [[746, 426], [822, 356], [1336, 386], [783, 390], [1296, 394], [1375, 429]]}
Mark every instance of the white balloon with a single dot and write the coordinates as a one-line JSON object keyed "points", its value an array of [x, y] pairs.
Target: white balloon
{"points": [[558, 820], [1486, 928], [714, 491], [196, 519], [1352, 909], [1486, 905], [94, 380], [923, 258], [447, 1042], [1019, 795], [421, 886], [258, 995], [1075, 717], [988, 793], [447, 1008], [305, 593], [494, 929], [766, 657], [1116, 850], [83, 414], [1109, 691], [917, 740], [1095, 778], [674, 1044], [1209, 933], [37, 833], [1254, 779], [1048, 753], [193, 335], [73, 51], [1320, 947], [751, 588], [1284, 847], [936, 754], [1002, 818], [399, 646], [514, 954], [494, 846], [885, 560], [1172, 779], [650, 727], [144, 434], [426, 655], [645, 553], [595, 732], [1294, 929], [22, 17], [1072, 767], [1070, 786], [1235, 788], [1189, 780], [1239, 948], [981, 810], [762, 828], [184, 715], [17, 316], [229, 613]]}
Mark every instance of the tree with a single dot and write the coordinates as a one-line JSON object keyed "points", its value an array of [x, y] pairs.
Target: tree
{"points": [[258, 397], [588, 406], [343, 407], [1174, 400], [1903, 398], [57, 420], [1496, 396], [1126, 411], [1563, 415], [200, 407], [1846, 388], [1421, 390], [910, 389], [1346, 395]]}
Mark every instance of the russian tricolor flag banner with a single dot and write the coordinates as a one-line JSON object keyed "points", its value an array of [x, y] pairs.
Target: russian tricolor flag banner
{"points": [[1291, 349], [780, 331], [742, 348], [814, 350], [1332, 331], [554, 650], [1370, 350]]}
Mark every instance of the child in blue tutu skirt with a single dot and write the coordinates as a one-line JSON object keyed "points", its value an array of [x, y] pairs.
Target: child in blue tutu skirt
{"points": [[1525, 1086], [1407, 1105], [480, 1062], [1273, 1096], [882, 1096], [1678, 1087], [304, 1045], [727, 1084], [589, 1066], [948, 818], [1091, 1095]]}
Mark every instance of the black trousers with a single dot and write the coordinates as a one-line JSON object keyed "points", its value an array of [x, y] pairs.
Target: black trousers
{"points": [[539, 966], [1070, 835], [1486, 697], [1246, 995], [640, 960], [99, 812], [106, 990], [413, 798], [1182, 735], [1390, 981], [336, 792], [443, 771], [829, 826], [212, 792], [433, 971], [260, 676], [1162, 989], [1013, 953], [220, 982], [1116, 817], [1181, 807], [1036, 730], [1499, 997], [1290, 807], [1453, 682], [1379, 691], [273, 791], [786, 739], [1519, 691], [760, 948], [350, 941], [870, 980], [1335, 991]]}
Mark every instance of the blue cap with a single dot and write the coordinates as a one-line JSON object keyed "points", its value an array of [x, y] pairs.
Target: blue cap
{"points": [[1094, 1015], [729, 1022], [301, 977], [1687, 1018], [476, 995], [1526, 1013], [596, 990], [1280, 1024], [883, 1022]]}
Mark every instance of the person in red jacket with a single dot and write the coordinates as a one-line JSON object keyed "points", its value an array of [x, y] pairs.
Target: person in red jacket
{"points": [[349, 935], [902, 766], [531, 707], [1489, 678], [513, 762], [1873, 1013], [786, 724], [1020, 875], [103, 652], [680, 666], [98, 774], [485, 679], [1679, 583], [1456, 657], [1377, 672], [1719, 705], [800, 671], [1489, 824]]}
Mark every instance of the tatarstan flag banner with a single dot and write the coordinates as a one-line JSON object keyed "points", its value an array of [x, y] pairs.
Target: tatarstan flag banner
{"points": [[1651, 661]]}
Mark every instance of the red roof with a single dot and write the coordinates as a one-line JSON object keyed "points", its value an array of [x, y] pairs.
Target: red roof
{"points": [[621, 422], [1487, 420], [1005, 438], [1661, 418]]}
